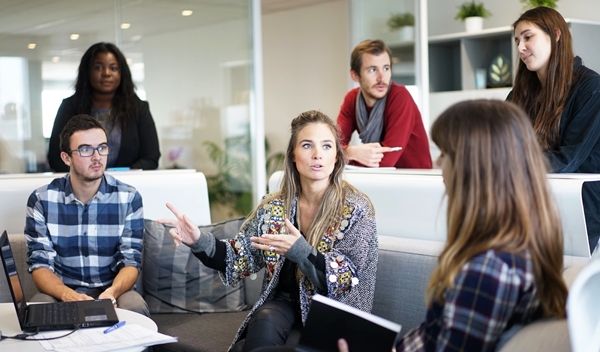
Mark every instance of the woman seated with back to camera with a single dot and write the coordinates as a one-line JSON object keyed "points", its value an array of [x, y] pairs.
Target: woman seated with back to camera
{"points": [[501, 266], [316, 234]]}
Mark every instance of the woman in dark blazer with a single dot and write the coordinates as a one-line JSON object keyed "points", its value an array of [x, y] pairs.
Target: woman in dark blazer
{"points": [[105, 89]]}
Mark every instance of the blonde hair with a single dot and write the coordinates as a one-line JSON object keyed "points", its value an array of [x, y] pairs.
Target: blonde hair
{"points": [[498, 197], [333, 200]]}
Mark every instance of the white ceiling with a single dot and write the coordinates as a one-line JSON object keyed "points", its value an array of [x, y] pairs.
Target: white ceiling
{"points": [[49, 23]]}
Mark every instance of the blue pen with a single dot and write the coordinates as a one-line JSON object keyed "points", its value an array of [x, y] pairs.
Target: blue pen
{"points": [[115, 327]]}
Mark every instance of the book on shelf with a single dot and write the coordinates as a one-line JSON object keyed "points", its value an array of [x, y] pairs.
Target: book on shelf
{"points": [[329, 320]]}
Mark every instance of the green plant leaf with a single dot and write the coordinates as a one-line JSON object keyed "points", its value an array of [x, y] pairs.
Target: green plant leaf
{"points": [[472, 9], [399, 20]]}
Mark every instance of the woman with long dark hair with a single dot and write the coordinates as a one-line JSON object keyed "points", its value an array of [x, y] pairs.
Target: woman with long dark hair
{"points": [[562, 99], [501, 266], [105, 90]]}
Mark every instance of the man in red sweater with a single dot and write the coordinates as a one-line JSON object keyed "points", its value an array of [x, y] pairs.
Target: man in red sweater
{"points": [[384, 114]]}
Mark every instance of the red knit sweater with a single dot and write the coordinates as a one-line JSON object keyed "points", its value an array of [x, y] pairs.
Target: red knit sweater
{"points": [[402, 127]]}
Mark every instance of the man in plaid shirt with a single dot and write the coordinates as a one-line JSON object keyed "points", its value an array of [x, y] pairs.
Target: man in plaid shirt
{"points": [[84, 230]]}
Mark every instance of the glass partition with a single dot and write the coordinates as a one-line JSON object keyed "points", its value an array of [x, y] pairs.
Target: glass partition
{"points": [[192, 61]]}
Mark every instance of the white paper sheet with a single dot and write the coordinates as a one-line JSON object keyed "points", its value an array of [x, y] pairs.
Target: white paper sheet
{"points": [[95, 340]]}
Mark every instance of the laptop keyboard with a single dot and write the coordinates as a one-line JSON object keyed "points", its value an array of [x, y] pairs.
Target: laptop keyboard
{"points": [[64, 313]]}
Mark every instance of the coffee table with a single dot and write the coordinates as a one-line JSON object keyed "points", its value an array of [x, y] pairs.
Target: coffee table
{"points": [[9, 325]]}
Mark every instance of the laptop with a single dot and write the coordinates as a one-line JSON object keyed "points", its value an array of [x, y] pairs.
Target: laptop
{"points": [[52, 316]]}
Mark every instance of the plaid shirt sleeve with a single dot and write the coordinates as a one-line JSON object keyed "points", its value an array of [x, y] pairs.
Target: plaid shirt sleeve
{"points": [[130, 246], [41, 250], [477, 309]]}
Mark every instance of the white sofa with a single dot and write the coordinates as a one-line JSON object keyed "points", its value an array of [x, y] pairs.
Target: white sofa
{"points": [[410, 216], [410, 204], [186, 189]]}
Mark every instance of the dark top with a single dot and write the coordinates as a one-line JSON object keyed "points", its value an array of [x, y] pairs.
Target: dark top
{"points": [[139, 141], [578, 149]]}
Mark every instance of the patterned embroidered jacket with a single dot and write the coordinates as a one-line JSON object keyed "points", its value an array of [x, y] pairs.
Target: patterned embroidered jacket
{"points": [[350, 248]]}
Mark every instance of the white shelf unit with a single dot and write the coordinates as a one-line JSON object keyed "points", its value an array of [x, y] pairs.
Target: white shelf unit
{"points": [[453, 59], [403, 62]]}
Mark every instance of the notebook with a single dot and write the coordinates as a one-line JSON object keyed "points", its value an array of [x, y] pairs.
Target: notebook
{"points": [[329, 320], [52, 316]]}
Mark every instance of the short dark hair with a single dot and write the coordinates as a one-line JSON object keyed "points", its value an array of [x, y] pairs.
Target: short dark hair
{"points": [[369, 46], [76, 123]]}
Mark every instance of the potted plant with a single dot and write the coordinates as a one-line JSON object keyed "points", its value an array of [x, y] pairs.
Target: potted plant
{"points": [[231, 187], [472, 13], [404, 24], [528, 4]]}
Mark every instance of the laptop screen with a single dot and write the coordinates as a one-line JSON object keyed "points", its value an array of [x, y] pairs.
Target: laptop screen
{"points": [[12, 277]]}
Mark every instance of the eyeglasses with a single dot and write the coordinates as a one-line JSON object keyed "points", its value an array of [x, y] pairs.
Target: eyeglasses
{"points": [[87, 151]]}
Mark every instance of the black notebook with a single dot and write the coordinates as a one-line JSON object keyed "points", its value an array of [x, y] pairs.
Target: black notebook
{"points": [[329, 320], [52, 316]]}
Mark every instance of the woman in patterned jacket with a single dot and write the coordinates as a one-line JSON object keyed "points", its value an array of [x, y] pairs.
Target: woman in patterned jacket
{"points": [[316, 234]]}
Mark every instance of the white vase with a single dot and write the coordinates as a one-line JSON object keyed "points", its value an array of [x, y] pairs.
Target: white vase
{"points": [[406, 34], [473, 24]]}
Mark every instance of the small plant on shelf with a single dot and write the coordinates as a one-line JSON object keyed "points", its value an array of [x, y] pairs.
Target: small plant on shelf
{"points": [[472, 9], [399, 20], [528, 4]]}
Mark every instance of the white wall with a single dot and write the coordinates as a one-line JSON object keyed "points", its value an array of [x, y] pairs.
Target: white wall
{"points": [[504, 13], [306, 65]]}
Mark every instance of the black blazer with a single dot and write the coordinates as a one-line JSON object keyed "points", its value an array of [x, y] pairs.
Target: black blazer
{"points": [[139, 141]]}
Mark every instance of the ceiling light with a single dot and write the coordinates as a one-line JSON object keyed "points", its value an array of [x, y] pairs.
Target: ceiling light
{"points": [[55, 59], [31, 46], [125, 25], [187, 12], [74, 36], [129, 61]]}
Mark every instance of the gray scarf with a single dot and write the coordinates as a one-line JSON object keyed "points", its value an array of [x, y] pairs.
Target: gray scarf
{"points": [[370, 126]]}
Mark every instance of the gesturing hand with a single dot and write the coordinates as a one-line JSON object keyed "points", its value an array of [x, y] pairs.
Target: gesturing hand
{"points": [[184, 230], [279, 244], [369, 154]]}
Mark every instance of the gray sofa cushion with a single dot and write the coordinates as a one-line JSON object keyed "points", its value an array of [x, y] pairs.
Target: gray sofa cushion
{"points": [[175, 281], [403, 272]]}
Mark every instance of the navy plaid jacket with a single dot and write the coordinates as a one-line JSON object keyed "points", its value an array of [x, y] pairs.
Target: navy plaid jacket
{"points": [[492, 292]]}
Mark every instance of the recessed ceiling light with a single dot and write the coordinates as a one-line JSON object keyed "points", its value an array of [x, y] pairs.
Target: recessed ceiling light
{"points": [[31, 46], [129, 61], [187, 12], [125, 25], [55, 59], [74, 36]]}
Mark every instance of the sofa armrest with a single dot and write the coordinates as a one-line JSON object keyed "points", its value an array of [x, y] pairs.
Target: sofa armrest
{"points": [[548, 335]]}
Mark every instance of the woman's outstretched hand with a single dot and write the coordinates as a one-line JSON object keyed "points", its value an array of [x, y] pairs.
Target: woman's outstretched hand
{"points": [[279, 244], [184, 230]]}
